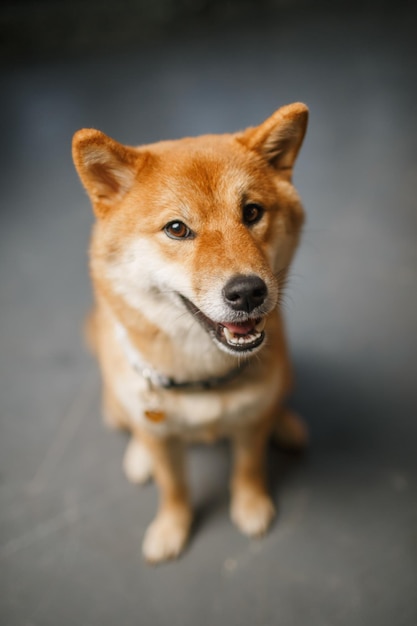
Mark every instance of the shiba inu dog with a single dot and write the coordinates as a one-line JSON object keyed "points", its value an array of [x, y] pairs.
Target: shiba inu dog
{"points": [[189, 256]]}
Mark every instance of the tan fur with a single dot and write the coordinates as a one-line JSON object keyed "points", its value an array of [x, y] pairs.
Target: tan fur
{"points": [[140, 320]]}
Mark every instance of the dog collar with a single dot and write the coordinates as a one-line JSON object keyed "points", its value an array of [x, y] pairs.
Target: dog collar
{"points": [[154, 379]]}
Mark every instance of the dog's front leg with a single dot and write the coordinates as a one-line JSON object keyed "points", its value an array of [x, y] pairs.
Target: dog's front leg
{"points": [[252, 509], [167, 534]]}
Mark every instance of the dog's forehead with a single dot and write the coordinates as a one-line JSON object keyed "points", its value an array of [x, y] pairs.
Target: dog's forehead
{"points": [[210, 166]]}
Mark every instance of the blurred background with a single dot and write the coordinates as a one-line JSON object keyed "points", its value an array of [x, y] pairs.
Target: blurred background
{"points": [[343, 551]]}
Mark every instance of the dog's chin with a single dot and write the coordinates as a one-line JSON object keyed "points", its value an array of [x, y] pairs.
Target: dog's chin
{"points": [[238, 338]]}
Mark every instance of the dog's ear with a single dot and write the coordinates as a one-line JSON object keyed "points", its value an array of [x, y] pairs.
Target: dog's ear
{"points": [[279, 138], [107, 169]]}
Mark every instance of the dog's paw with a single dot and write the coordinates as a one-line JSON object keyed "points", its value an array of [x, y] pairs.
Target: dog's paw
{"points": [[252, 512], [291, 431], [137, 462], [166, 537]]}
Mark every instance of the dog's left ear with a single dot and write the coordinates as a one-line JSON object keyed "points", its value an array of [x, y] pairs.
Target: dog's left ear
{"points": [[279, 138]]}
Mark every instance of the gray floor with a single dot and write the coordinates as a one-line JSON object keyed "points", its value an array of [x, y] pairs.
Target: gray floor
{"points": [[344, 549]]}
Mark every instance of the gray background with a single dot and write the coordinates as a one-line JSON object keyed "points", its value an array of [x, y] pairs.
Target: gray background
{"points": [[343, 549]]}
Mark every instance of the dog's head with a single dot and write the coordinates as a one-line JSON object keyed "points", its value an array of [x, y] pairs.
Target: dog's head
{"points": [[207, 224]]}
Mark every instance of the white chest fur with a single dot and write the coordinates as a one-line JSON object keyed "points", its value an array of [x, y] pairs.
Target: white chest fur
{"points": [[186, 412]]}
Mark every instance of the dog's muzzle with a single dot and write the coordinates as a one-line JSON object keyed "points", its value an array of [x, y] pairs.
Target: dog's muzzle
{"points": [[244, 297]]}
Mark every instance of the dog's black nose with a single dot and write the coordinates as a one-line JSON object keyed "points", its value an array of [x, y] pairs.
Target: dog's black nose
{"points": [[245, 293]]}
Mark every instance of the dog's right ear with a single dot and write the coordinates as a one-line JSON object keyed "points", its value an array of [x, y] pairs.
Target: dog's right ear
{"points": [[107, 169]]}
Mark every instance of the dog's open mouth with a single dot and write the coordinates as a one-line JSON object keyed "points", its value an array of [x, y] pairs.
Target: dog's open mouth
{"points": [[237, 336]]}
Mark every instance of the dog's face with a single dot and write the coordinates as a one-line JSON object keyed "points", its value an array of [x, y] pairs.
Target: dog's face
{"points": [[200, 228]]}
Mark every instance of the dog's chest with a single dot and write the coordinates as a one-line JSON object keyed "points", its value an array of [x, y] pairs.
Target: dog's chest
{"points": [[193, 412]]}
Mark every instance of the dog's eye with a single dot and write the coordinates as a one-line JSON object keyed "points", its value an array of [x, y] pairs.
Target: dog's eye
{"points": [[252, 214], [177, 230]]}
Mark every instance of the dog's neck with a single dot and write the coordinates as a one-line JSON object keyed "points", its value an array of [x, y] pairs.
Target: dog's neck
{"points": [[156, 379]]}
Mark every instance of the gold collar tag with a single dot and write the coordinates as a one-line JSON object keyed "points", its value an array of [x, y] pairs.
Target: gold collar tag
{"points": [[155, 416]]}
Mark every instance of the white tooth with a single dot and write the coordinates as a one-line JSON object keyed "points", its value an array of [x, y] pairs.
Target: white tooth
{"points": [[229, 335], [260, 325], [236, 340]]}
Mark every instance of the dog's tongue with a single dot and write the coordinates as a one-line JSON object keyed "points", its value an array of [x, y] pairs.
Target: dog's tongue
{"points": [[242, 328]]}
